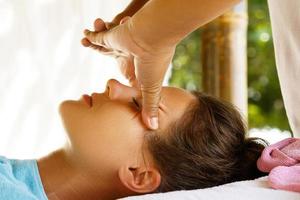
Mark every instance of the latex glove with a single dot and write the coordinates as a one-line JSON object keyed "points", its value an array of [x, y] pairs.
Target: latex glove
{"points": [[149, 61]]}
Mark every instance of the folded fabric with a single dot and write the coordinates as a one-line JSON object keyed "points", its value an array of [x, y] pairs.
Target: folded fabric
{"points": [[285, 178], [282, 160]]}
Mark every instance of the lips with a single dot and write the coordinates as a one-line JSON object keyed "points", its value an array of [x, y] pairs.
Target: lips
{"points": [[88, 99]]}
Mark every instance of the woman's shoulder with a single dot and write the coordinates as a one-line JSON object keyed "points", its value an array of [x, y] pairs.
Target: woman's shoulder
{"points": [[19, 179]]}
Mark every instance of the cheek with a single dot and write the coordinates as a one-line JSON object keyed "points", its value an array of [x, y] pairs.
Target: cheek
{"points": [[108, 144], [106, 134]]}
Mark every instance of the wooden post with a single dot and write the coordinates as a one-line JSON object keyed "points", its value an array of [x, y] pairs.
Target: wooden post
{"points": [[224, 57]]}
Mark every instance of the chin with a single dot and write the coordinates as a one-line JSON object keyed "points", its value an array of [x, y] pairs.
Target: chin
{"points": [[63, 111], [63, 107], [68, 110], [72, 113]]}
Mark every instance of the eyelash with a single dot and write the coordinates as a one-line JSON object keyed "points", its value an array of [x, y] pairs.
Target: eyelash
{"points": [[136, 103]]}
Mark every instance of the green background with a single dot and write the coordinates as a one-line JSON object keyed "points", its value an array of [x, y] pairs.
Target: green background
{"points": [[265, 104]]}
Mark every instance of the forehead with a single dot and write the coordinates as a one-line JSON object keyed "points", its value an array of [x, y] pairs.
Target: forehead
{"points": [[176, 94], [174, 102]]}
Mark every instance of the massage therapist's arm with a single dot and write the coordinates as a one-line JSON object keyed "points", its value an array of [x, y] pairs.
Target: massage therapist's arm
{"points": [[149, 39], [166, 22]]}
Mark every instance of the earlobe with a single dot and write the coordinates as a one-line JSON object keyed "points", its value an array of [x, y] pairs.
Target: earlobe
{"points": [[141, 179]]}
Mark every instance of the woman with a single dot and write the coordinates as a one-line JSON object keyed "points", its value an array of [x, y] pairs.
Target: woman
{"points": [[110, 153]]}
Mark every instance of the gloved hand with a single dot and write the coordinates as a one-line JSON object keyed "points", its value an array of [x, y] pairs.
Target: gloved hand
{"points": [[144, 64]]}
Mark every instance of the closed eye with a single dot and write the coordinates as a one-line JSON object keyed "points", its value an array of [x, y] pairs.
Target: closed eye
{"points": [[138, 107], [136, 104]]}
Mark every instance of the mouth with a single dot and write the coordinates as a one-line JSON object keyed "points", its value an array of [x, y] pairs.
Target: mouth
{"points": [[88, 99]]}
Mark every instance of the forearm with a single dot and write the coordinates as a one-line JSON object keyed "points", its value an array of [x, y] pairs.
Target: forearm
{"points": [[166, 22]]}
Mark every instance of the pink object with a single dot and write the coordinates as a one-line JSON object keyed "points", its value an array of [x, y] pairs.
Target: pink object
{"points": [[282, 160], [285, 178]]}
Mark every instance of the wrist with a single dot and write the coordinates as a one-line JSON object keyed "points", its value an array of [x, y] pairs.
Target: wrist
{"points": [[150, 40]]}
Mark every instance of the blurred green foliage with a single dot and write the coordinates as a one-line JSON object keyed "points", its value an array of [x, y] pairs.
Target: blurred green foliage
{"points": [[186, 72], [264, 97]]}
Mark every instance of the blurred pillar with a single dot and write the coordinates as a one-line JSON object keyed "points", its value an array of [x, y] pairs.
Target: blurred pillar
{"points": [[224, 57]]}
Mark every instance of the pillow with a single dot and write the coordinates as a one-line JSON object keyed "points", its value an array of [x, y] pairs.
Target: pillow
{"points": [[257, 189]]}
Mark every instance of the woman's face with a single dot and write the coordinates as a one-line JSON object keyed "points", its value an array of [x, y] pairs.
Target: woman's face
{"points": [[106, 128]]}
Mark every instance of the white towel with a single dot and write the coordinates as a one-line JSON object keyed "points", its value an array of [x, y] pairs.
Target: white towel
{"points": [[243, 190]]}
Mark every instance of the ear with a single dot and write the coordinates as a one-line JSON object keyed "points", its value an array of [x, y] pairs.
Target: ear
{"points": [[140, 179]]}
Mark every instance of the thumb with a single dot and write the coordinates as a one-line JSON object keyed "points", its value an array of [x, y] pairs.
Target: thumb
{"points": [[95, 37], [151, 99]]}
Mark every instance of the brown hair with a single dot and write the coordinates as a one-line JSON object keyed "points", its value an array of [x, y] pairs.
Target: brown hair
{"points": [[205, 148]]}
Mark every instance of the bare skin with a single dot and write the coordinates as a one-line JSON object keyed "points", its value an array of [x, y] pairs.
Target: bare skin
{"points": [[106, 156], [146, 42], [62, 180]]}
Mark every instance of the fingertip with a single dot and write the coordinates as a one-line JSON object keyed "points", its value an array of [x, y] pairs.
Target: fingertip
{"points": [[150, 121], [99, 25], [86, 32], [99, 21], [85, 42], [153, 121]]}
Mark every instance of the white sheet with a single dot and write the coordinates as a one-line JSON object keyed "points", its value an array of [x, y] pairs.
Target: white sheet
{"points": [[244, 190], [43, 63]]}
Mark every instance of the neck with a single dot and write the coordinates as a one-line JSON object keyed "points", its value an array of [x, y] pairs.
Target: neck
{"points": [[63, 179]]}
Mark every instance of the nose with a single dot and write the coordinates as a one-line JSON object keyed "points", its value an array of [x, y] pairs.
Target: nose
{"points": [[118, 91]]}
